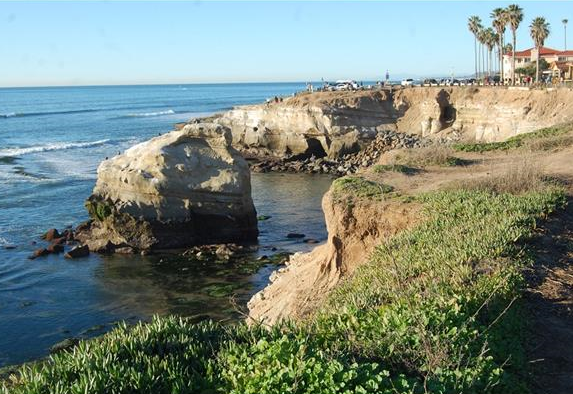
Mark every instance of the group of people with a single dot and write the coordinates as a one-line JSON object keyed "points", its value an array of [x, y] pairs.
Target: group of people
{"points": [[275, 99]]}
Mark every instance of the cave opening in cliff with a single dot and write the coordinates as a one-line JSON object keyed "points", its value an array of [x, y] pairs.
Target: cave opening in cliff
{"points": [[448, 114], [315, 148]]}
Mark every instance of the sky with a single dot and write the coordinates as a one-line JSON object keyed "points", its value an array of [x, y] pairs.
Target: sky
{"points": [[48, 43]]}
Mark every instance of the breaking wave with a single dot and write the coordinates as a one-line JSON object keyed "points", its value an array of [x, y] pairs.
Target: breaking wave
{"points": [[10, 152], [147, 114]]}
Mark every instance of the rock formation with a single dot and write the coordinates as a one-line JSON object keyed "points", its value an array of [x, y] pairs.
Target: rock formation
{"points": [[332, 124], [483, 114], [353, 231], [321, 124], [184, 188]]}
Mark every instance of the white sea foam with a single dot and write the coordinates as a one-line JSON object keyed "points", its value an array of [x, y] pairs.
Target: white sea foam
{"points": [[50, 147], [146, 114], [8, 115]]}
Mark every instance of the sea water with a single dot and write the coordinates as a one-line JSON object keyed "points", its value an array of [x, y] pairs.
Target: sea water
{"points": [[51, 142]]}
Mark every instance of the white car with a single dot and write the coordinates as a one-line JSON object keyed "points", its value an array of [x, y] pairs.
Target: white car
{"points": [[407, 82], [346, 85]]}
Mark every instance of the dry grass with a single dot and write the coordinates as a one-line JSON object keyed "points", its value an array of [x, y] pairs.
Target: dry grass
{"points": [[436, 155], [519, 178], [550, 143]]}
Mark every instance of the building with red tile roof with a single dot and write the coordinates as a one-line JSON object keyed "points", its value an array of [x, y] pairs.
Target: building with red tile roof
{"points": [[559, 60]]}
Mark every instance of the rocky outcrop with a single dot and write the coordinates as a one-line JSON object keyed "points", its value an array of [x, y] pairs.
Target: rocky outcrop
{"points": [[482, 114], [334, 124], [321, 124], [385, 141], [353, 231], [184, 188]]}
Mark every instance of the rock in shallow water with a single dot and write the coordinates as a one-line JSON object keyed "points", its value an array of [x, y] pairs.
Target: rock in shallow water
{"points": [[188, 187], [77, 252]]}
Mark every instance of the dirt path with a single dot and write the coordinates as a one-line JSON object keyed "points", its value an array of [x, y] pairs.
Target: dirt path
{"points": [[549, 301]]}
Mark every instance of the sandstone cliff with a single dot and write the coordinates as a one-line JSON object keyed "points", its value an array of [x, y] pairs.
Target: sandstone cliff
{"points": [[183, 188], [325, 123], [481, 114], [335, 123], [353, 231]]}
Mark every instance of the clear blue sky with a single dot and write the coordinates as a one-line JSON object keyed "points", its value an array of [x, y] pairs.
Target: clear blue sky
{"points": [[78, 42]]}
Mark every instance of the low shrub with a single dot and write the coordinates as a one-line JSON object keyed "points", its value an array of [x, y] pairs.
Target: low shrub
{"points": [[360, 188]]}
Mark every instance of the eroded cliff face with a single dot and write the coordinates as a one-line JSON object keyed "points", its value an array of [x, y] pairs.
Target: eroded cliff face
{"points": [[481, 114], [353, 231], [335, 123], [321, 124], [184, 188]]}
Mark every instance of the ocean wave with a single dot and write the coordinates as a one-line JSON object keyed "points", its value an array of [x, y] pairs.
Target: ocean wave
{"points": [[147, 114], [25, 114], [10, 152]]}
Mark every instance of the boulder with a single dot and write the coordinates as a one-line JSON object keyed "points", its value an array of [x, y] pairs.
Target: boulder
{"points": [[77, 252], [295, 235], [55, 248], [184, 188], [39, 253], [51, 234]]}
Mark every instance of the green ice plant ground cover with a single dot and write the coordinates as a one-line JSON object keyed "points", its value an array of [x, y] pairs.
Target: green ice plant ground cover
{"points": [[436, 309]]}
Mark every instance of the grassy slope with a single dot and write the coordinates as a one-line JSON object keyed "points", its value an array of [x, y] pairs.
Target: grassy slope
{"points": [[437, 308], [544, 139]]}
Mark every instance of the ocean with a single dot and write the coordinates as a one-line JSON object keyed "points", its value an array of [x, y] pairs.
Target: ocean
{"points": [[51, 142]]}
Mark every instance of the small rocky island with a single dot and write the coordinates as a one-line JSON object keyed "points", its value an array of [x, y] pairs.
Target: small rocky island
{"points": [[187, 187]]}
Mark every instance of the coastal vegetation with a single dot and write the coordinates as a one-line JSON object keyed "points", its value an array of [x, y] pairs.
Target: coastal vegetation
{"points": [[428, 156], [543, 139], [432, 311], [355, 187]]}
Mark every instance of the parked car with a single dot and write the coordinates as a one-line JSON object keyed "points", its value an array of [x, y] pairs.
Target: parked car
{"points": [[346, 85], [430, 82], [407, 82]]}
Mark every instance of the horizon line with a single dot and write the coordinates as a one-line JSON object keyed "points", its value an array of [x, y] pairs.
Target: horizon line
{"points": [[461, 75]]}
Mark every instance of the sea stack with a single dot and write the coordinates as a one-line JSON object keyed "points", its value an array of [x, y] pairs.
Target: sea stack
{"points": [[187, 187]]}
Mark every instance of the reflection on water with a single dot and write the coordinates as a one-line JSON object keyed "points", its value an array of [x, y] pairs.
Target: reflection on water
{"points": [[47, 300]]}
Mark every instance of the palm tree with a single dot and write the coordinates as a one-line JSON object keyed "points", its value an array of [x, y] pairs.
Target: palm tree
{"points": [[491, 40], [514, 15], [499, 16], [565, 27], [474, 25], [539, 31], [482, 38]]}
